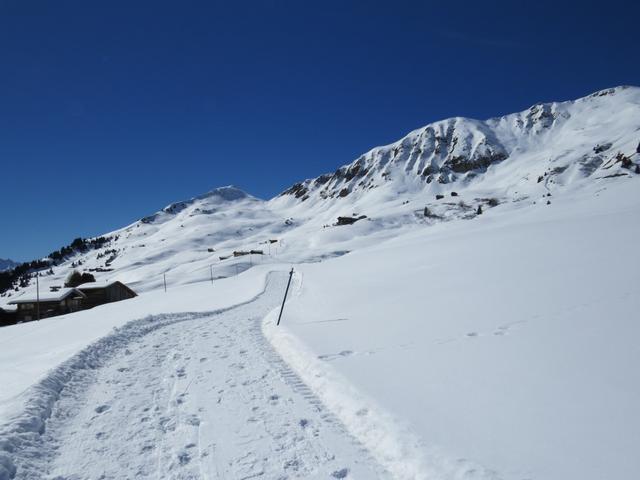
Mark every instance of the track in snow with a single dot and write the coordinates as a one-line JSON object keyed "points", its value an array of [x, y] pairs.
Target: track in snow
{"points": [[203, 398]]}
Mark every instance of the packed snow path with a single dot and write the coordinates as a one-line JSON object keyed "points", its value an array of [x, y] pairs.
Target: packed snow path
{"points": [[204, 397]]}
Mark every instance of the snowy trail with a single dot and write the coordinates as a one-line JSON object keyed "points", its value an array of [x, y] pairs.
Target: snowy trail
{"points": [[203, 398]]}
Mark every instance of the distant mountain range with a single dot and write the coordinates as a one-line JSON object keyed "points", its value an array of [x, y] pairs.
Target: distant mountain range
{"points": [[6, 264]]}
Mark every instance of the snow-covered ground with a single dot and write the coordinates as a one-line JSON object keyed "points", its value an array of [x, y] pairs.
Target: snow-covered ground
{"points": [[509, 340], [190, 396], [417, 343]]}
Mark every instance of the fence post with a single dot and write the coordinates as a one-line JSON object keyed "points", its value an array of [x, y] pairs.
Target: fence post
{"points": [[211, 268], [164, 277], [38, 294], [285, 296]]}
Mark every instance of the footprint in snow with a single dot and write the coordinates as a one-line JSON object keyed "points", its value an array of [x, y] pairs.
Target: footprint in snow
{"points": [[342, 473], [502, 330], [292, 464], [184, 458], [334, 356], [193, 420]]}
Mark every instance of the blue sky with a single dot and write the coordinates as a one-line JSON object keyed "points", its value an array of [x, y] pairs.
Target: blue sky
{"points": [[111, 110]]}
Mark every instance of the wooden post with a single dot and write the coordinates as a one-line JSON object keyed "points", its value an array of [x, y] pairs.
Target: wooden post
{"points": [[211, 269], [38, 296], [285, 296], [164, 278]]}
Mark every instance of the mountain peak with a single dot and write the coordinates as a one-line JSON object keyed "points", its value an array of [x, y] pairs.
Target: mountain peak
{"points": [[229, 193]]}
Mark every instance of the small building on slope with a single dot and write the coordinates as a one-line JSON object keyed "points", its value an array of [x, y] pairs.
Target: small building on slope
{"points": [[99, 293], [48, 304]]}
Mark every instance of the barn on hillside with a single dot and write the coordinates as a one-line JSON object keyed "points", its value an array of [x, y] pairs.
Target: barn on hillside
{"points": [[99, 293]]}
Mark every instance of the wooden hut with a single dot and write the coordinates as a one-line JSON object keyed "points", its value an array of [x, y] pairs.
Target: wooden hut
{"points": [[100, 293], [48, 304]]}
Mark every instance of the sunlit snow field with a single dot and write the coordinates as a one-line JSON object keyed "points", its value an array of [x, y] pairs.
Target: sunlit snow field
{"points": [[451, 345]]}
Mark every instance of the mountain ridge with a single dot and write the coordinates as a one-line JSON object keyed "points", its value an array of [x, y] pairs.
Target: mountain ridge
{"points": [[453, 169], [7, 264], [453, 150]]}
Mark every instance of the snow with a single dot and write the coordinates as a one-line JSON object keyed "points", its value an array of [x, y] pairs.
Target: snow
{"points": [[510, 342], [193, 396], [29, 350], [48, 296], [448, 346], [95, 286]]}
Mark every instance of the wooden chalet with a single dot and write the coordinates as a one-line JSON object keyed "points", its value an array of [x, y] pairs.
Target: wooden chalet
{"points": [[99, 293], [60, 301], [49, 304]]}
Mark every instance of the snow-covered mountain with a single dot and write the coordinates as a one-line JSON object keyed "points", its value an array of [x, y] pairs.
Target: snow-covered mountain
{"points": [[464, 306], [441, 172], [552, 143], [7, 264]]}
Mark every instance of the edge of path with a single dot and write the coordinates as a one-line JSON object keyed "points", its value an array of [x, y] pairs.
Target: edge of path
{"points": [[21, 434], [389, 440]]}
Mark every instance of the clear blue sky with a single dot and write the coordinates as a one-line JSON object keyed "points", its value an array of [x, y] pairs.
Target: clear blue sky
{"points": [[111, 110]]}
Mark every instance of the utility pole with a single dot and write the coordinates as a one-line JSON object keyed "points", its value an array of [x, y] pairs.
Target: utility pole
{"points": [[38, 296], [285, 296], [164, 277]]}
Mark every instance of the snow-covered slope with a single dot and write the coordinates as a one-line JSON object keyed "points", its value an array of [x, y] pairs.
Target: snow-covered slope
{"points": [[508, 341], [519, 158], [451, 344], [561, 143]]}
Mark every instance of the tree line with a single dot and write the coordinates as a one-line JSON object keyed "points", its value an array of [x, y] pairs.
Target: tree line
{"points": [[21, 275]]}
